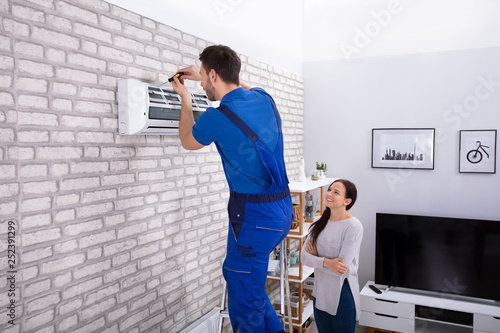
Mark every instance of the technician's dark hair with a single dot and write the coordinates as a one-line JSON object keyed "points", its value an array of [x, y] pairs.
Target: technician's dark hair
{"points": [[224, 61], [350, 193]]}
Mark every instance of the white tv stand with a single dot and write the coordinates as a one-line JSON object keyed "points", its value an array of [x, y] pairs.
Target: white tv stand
{"points": [[409, 312]]}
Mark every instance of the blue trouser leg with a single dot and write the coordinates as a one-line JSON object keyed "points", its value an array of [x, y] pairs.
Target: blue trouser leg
{"points": [[345, 319], [245, 270], [250, 309]]}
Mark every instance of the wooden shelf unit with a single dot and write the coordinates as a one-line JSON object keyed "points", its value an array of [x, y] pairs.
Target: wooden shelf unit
{"points": [[301, 189], [298, 274]]}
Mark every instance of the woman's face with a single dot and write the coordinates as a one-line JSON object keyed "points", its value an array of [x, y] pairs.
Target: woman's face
{"points": [[335, 196]]}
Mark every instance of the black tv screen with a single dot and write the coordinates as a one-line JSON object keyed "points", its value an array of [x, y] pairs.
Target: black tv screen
{"points": [[445, 255]]}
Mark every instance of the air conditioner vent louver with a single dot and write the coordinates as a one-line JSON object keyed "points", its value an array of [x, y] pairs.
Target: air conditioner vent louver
{"points": [[146, 109]]}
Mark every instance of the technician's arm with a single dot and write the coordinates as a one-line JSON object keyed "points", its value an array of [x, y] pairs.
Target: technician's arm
{"points": [[191, 73], [186, 121]]}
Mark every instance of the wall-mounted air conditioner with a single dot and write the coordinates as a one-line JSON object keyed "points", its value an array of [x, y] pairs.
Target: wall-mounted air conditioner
{"points": [[147, 109]]}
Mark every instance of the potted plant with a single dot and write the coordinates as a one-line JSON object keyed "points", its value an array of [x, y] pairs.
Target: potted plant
{"points": [[322, 170]]}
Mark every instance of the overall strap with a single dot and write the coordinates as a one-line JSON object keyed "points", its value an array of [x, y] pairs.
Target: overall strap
{"points": [[242, 125], [276, 113], [239, 123]]}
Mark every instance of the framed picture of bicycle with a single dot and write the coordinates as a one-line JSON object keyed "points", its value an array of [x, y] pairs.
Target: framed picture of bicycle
{"points": [[478, 151], [403, 148]]}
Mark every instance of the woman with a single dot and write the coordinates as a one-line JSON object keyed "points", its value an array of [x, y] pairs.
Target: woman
{"points": [[332, 249]]}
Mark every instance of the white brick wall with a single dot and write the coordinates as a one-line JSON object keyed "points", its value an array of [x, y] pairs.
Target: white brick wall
{"points": [[114, 233]]}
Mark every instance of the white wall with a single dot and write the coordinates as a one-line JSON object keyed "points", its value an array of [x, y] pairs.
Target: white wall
{"points": [[405, 78], [270, 31], [353, 29], [113, 233]]}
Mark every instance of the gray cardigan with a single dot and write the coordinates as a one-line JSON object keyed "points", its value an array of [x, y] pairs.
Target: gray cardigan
{"points": [[338, 239]]}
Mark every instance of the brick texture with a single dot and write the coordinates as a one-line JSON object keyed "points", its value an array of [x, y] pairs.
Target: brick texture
{"points": [[114, 233]]}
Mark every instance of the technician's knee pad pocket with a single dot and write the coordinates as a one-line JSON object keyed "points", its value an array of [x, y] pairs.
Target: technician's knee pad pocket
{"points": [[237, 266]]}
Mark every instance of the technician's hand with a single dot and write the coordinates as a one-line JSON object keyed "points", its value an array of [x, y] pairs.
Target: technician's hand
{"points": [[311, 248], [180, 88], [191, 73], [335, 265]]}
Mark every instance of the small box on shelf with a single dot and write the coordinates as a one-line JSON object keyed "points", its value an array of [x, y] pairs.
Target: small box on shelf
{"points": [[308, 326], [308, 286]]}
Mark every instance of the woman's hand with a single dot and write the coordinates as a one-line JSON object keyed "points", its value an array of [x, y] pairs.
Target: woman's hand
{"points": [[191, 73], [311, 248], [335, 265]]}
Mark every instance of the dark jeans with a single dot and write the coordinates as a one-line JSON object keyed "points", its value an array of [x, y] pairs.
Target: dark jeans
{"points": [[345, 319]]}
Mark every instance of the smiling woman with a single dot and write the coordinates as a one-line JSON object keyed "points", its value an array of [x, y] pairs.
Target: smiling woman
{"points": [[332, 248]]}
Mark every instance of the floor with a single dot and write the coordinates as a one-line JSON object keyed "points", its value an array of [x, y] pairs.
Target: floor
{"points": [[359, 329]]}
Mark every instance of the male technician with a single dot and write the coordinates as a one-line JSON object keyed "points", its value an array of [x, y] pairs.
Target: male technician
{"points": [[246, 129]]}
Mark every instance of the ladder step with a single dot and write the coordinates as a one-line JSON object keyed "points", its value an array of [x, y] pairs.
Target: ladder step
{"points": [[224, 314]]}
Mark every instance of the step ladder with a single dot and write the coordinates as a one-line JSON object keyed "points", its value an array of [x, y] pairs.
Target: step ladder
{"points": [[224, 313]]}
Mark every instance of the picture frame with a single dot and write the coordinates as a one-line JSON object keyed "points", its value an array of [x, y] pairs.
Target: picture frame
{"points": [[403, 148], [477, 151]]}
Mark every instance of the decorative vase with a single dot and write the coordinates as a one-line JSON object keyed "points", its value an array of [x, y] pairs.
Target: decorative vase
{"points": [[302, 172], [309, 207]]}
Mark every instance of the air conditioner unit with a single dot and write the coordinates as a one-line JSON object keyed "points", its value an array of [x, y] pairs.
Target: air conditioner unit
{"points": [[147, 109]]}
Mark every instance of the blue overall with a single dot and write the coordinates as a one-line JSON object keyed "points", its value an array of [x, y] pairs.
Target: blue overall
{"points": [[258, 223]]}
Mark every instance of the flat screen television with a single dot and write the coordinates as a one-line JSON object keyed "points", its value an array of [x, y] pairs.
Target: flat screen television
{"points": [[440, 254]]}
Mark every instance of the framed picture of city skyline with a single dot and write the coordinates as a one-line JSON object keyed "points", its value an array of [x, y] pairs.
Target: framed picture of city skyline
{"points": [[403, 148]]}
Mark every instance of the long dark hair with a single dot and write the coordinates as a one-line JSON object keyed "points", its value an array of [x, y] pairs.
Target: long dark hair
{"points": [[350, 193]]}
